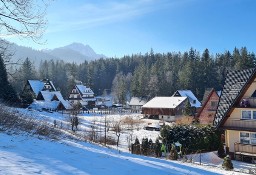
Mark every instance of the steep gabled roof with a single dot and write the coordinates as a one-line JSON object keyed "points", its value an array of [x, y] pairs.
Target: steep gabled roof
{"points": [[234, 86], [191, 97], [136, 101], [36, 85], [49, 102], [83, 90], [207, 93], [164, 102]]}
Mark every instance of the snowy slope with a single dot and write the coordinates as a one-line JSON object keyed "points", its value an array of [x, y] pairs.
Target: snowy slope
{"points": [[21, 154], [28, 155]]}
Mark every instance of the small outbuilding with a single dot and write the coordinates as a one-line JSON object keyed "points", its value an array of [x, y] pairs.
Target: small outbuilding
{"points": [[164, 108]]}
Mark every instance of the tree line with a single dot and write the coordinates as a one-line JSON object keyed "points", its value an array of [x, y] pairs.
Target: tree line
{"points": [[148, 75]]}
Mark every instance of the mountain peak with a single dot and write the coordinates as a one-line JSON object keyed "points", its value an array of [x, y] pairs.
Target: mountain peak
{"points": [[85, 50]]}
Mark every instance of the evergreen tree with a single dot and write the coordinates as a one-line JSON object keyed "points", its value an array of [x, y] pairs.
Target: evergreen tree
{"points": [[145, 146], [7, 93], [157, 148], [221, 151], [187, 110]]}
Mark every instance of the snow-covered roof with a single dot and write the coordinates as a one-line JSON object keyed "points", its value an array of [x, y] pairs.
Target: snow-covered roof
{"points": [[136, 101], [164, 102], [191, 97], [84, 90], [52, 85], [219, 93], [48, 103], [39, 104], [36, 85]]}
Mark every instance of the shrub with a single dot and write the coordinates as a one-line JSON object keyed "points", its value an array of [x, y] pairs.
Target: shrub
{"points": [[227, 163]]}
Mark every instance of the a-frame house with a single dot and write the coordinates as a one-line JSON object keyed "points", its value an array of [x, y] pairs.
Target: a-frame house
{"points": [[236, 114], [207, 112]]}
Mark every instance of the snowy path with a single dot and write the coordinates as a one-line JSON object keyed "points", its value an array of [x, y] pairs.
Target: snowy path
{"points": [[28, 155]]}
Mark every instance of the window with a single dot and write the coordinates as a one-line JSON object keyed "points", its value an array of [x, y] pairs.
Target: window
{"points": [[244, 137], [253, 114], [248, 138], [246, 115], [214, 103], [253, 138]]}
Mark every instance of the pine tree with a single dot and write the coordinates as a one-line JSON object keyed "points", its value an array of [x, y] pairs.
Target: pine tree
{"points": [[7, 93], [144, 146], [187, 110], [221, 151]]}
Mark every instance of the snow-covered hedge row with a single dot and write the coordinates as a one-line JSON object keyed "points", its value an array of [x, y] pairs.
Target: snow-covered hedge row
{"points": [[193, 138]]}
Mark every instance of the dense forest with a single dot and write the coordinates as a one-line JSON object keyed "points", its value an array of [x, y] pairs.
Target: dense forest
{"points": [[148, 75]]}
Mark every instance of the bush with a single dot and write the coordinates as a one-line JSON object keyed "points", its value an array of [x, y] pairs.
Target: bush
{"points": [[191, 137], [173, 153], [227, 163], [221, 151]]}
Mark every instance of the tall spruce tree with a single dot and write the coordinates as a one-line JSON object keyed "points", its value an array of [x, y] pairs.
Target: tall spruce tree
{"points": [[7, 93]]}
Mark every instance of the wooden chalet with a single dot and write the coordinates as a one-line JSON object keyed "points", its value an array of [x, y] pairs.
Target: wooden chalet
{"points": [[52, 101], [164, 108], [46, 96], [83, 95], [194, 102], [236, 114], [136, 104], [35, 86], [209, 106]]}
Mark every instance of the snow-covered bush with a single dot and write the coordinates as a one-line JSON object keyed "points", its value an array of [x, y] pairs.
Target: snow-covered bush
{"points": [[227, 163], [192, 138]]}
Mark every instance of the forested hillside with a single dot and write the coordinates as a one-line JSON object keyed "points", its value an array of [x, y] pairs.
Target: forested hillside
{"points": [[151, 74]]}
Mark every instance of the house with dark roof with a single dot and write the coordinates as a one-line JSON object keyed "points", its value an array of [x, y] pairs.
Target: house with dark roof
{"points": [[209, 103], [83, 95], [164, 108], [236, 114]]}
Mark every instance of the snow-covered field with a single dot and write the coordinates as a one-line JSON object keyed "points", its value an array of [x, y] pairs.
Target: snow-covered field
{"points": [[29, 155], [22, 154]]}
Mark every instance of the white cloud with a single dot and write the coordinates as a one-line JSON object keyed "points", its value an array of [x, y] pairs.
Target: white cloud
{"points": [[89, 15]]}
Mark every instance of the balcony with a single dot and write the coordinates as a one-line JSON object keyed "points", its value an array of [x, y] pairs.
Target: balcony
{"points": [[245, 149], [248, 102], [239, 124]]}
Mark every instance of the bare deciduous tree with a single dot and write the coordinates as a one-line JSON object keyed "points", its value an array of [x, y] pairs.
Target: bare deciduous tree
{"points": [[24, 18], [117, 128]]}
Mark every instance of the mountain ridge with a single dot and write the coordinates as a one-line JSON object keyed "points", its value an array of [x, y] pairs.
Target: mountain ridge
{"points": [[74, 52]]}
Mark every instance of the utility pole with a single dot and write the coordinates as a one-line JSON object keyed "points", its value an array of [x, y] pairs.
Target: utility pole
{"points": [[105, 138]]}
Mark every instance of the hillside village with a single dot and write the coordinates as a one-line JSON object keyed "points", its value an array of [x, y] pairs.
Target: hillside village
{"points": [[156, 116], [169, 89]]}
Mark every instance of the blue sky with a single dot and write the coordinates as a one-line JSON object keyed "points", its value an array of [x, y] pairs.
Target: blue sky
{"points": [[117, 28]]}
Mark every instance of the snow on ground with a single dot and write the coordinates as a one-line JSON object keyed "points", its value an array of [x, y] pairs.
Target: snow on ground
{"points": [[51, 151], [20, 154]]}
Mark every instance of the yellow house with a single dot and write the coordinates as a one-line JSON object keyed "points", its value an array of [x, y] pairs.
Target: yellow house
{"points": [[236, 114]]}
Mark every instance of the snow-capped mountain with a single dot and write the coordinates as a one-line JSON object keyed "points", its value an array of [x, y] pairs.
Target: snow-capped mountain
{"points": [[75, 52]]}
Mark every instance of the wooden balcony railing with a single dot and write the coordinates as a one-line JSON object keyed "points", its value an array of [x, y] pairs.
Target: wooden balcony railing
{"points": [[242, 124], [245, 148]]}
